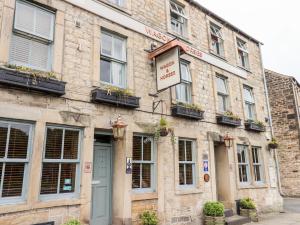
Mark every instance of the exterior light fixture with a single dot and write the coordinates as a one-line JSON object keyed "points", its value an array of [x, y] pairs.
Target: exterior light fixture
{"points": [[228, 141], [119, 128]]}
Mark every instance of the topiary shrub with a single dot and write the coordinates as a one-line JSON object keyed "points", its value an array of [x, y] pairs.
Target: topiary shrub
{"points": [[247, 203], [149, 218], [72, 222], [215, 209]]}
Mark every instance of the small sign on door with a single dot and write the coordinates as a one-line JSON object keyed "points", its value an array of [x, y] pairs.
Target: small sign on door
{"points": [[128, 165]]}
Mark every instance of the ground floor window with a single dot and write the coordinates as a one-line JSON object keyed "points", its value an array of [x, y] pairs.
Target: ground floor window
{"points": [[257, 164], [243, 163], [61, 161], [143, 163], [186, 162], [15, 145]]}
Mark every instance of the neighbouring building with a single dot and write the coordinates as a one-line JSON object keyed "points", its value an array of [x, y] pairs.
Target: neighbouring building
{"points": [[284, 95], [67, 67]]}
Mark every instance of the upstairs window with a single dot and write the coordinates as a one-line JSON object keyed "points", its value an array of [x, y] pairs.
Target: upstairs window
{"points": [[113, 60], [15, 147], [178, 19], [143, 163], [61, 160], [249, 103], [184, 89], [217, 42], [186, 162], [222, 91], [257, 164], [243, 163], [243, 54], [118, 2], [32, 36]]}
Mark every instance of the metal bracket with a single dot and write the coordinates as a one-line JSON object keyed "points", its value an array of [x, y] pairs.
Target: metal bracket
{"points": [[155, 104]]}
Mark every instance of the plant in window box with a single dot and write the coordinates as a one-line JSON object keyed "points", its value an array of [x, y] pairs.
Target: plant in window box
{"points": [[192, 111], [214, 213], [248, 209], [229, 118], [31, 79], [149, 218], [273, 144], [255, 125], [72, 222]]}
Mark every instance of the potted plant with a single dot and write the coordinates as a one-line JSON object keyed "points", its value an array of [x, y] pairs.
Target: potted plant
{"points": [[248, 209], [162, 129], [273, 144], [72, 222], [214, 213], [149, 218]]}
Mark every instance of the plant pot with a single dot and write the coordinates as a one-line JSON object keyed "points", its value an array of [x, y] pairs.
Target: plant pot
{"points": [[250, 213], [226, 120], [273, 146], [181, 111], [163, 132], [214, 220]]}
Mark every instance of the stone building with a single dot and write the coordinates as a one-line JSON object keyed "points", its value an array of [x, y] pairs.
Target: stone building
{"points": [[284, 101], [66, 70]]}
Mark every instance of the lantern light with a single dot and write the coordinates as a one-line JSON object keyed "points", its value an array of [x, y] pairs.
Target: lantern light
{"points": [[119, 128], [228, 141]]}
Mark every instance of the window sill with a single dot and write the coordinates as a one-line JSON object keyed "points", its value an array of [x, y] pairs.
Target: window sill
{"points": [[187, 190], [217, 56], [252, 186], [244, 68], [144, 196]]}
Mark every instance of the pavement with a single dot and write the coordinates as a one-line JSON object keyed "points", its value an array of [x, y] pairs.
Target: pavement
{"points": [[289, 216]]}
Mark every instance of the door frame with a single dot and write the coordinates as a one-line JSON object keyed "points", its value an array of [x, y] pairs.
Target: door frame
{"points": [[111, 146]]}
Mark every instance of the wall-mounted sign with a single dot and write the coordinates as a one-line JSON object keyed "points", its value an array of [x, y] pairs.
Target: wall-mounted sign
{"points": [[168, 69], [87, 167], [206, 177], [128, 165], [205, 165]]}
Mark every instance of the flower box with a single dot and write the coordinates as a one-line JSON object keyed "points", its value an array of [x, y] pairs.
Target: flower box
{"points": [[229, 121], [250, 213], [27, 81], [214, 220], [113, 98], [252, 126], [181, 111]]}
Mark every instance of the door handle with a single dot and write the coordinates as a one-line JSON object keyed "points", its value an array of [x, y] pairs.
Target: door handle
{"points": [[96, 182]]}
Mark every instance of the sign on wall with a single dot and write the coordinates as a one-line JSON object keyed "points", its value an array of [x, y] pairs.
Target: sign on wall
{"points": [[205, 165], [168, 69], [128, 165]]}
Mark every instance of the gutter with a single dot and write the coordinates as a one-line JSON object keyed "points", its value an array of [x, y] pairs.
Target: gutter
{"points": [[271, 125]]}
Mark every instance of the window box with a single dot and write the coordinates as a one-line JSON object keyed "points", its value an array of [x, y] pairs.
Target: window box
{"points": [[113, 98], [229, 121], [252, 126], [28, 81], [181, 111]]}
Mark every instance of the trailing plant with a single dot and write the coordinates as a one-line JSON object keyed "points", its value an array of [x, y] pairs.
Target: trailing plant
{"points": [[247, 203], [149, 218], [72, 222], [33, 72], [190, 106], [215, 209], [119, 91], [232, 115], [163, 129]]}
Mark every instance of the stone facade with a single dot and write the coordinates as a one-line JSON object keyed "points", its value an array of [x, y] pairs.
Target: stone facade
{"points": [[76, 54], [284, 100]]}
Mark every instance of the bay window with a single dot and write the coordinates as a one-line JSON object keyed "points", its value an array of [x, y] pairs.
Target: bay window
{"points": [[32, 38]]}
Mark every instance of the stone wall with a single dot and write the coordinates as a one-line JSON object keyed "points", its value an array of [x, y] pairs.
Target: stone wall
{"points": [[282, 93]]}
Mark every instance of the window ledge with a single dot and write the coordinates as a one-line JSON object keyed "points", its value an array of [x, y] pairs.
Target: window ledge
{"points": [[144, 196], [253, 186], [243, 68], [187, 191], [218, 56]]}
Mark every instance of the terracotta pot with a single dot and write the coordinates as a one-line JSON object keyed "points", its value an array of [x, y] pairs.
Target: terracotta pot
{"points": [[163, 132], [251, 213], [214, 220]]}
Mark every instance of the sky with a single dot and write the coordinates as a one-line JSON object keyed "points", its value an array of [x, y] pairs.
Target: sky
{"points": [[275, 23]]}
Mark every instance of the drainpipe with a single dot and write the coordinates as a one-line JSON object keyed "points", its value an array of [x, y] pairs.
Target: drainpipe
{"points": [[274, 153]]}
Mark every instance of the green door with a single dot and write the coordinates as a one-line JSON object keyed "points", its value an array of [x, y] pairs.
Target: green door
{"points": [[101, 185]]}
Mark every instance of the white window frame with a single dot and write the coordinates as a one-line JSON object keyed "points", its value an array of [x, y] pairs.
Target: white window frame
{"points": [[181, 25], [215, 32], [27, 162], [152, 163], [185, 84], [120, 3], [246, 164], [224, 96], [111, 59], [249, 105], [259, 157], [243, 54], [76, 192], [18, 32], [193, 163]]}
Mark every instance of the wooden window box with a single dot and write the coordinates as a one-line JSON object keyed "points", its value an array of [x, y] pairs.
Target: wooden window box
{"points": [[113, 98], [252, 126], [229, 121], [28, 81], [181, 111]]}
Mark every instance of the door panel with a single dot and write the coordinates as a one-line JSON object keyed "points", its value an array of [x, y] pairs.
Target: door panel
{"points": [[101, 186]]}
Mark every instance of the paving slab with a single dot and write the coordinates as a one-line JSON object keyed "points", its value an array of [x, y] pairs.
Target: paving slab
{"points": [[288, 218]]}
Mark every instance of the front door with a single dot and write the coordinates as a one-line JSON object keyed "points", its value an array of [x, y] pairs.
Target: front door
{"points": [[101, 185]]}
